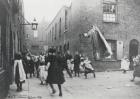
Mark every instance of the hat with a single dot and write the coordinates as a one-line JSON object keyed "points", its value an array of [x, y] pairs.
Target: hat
{"points": [[51, 50]]}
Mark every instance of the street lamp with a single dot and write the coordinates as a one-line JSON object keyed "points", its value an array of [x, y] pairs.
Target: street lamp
{"points": [[34, 24]]}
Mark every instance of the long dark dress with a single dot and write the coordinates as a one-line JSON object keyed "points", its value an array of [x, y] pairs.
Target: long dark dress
{"points": [[31, 66], [55, 71], [76, 62], [17, 78], [25, 65]]}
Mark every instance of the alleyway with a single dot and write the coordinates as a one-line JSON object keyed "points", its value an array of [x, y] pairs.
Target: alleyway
{"points": [[107, 85]]}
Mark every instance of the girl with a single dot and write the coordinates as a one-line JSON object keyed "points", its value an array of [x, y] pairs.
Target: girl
{"points": [[19, 73], [55, 70], [125, 64], [42, 72]]}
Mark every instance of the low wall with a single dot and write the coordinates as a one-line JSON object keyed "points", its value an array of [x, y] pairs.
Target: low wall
{"points": [[106, 65]]}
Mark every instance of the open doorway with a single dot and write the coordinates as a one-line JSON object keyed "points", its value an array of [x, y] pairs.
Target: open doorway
{"points": [[133, 50]]}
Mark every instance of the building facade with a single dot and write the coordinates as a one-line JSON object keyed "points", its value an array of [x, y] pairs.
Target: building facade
{"points": [[58, 29], [35, 39], [11, 39], [119, 22]]}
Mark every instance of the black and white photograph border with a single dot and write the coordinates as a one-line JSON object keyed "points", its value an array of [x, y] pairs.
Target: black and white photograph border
{"points": [[69, 49]]}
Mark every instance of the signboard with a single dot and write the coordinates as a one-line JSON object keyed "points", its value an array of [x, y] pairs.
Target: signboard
{"points": [[119, 50]]}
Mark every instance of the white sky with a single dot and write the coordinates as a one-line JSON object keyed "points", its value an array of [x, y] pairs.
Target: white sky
{"points": [[42, 8]]}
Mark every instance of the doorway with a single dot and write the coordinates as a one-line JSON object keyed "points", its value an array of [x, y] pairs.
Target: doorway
{"points": [[133, 51]]}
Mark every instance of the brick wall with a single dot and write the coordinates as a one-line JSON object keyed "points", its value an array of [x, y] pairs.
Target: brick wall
{"points": [[10, 27], [4, 84]]}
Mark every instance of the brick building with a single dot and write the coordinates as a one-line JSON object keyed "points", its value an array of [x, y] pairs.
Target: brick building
{"points": [[11, 39], [57, 30], [118, 20]]}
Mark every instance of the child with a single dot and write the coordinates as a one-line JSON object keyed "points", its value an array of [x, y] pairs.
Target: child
{"points": [[19, 73], [70, 65], [42, 72], [88, 67], [125, 64]]}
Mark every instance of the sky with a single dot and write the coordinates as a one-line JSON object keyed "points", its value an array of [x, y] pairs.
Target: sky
{"points": [[40, 9]]}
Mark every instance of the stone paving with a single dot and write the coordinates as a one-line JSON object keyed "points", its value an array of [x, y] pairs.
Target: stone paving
{"points": [[107, 85]]}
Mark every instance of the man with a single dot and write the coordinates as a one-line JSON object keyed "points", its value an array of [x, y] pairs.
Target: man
{"points": [[76, 63], [67, 57]]}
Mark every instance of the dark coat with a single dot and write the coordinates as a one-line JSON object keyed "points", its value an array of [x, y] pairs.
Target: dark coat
{"points": [[55, 71], [17, 77], [31, 66], [25, 64], [76, 62], [68, 56]]}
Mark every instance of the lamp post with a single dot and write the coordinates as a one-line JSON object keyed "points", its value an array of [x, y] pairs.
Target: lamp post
{"points": [[34, 24]]}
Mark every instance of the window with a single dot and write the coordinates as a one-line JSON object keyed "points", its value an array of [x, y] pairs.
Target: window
{"points": [[113, 45], [35, 34], [55, 31], [110, 11], [28, 35], [52, 33], [35, 47], [60, 27], [66, 15]]}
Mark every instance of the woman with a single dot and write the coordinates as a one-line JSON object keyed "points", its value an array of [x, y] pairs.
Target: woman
{"points": [[77, 64], [31, 66], [25, 65], [19, 73], [55, 70]]}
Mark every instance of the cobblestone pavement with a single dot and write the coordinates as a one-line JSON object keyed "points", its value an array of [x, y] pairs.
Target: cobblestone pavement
{"points": [[107, 85]]}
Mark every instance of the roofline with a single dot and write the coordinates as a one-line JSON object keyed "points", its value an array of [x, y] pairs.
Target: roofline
{"points": [[56, 15]]}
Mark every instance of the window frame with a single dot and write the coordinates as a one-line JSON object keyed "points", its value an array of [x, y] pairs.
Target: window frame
{"points": [[116, 11], [115, 54], [60, 23], [55, 31], [66, 19]]}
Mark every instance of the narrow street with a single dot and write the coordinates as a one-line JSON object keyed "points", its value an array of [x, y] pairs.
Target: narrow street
{"points": [[75, 35], [107, 85]]}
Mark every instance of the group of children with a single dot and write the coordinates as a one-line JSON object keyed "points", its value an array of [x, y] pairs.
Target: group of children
{"points": [[85, 66], [125, 65]]}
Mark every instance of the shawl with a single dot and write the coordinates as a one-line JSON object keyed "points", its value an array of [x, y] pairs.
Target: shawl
{"points": [[22, 74]]}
